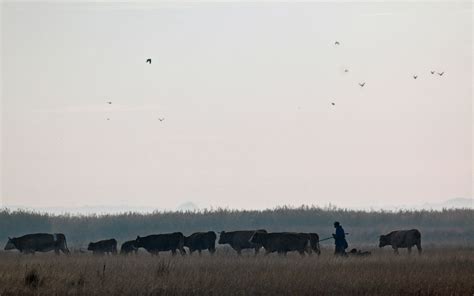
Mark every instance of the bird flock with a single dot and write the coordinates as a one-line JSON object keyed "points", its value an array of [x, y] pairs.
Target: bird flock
{"points": [[362, 84], [336, 43]]}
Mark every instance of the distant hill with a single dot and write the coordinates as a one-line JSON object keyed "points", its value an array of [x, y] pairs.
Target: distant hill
{"points": [[187, 206]]}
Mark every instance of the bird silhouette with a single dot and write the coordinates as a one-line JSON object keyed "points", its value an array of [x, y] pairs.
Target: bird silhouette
{"points": [[108, 118], [334, 104], [110, 103], [432, 72], [346, 70], [415, 76], [161, 119], [336, 43], [148, 61], [362, 84], [440, 74]]}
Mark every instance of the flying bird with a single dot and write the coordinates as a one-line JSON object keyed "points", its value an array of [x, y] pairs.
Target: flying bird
{"points": [[110, 103], [148, 61], [415, 76], [336, 43], [346, 70], [440, 74], [334, 104], [362, 84], [161, 119], [108, 118], [432, 72]]}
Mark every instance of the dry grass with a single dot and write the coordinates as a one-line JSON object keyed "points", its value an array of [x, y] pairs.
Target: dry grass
{"points": [[436, 272]]}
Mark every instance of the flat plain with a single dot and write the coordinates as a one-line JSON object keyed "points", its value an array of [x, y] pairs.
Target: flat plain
{"points": [[438, 271]]}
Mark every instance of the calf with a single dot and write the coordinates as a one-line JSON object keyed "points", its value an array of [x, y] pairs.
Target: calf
{"points": [[103, 247], [128, 247], [240, 240], [201, 241]]}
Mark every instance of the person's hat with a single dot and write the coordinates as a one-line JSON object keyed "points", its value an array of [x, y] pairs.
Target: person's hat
{"points": [[337, 223]]}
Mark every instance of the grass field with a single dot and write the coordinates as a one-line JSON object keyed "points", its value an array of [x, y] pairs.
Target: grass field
{"points": [[446, 271]]}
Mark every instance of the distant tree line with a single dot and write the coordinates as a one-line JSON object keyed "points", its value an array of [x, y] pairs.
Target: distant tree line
{"points": [[446, 227]]}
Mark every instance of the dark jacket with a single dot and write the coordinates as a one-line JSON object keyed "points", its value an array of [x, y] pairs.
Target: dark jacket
{"points": [[340, 238]]}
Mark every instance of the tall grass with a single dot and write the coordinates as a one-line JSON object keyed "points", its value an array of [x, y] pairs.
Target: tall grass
{"points": [[445, 271]]}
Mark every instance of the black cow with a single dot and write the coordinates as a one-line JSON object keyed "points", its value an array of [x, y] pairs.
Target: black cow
{"points": [[128, 247], [103, 246], [240, 240], [38, 242], [402, 239], [201, 241], [283, 242], [314, 242], [162, 242]]}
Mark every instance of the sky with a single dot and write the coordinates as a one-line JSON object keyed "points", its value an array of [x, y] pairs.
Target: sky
{"points": [[246, 91]]}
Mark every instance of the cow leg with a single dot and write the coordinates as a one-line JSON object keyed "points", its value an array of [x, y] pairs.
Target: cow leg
{"points": [[212, 250], [418, 246], [257, 250], [28, 251], [395, 250], [409, 250], [239, 251], [199, 251], [173, 252], [302, 252]]}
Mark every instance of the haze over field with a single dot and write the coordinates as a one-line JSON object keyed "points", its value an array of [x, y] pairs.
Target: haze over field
{"points": [[246, 93]]}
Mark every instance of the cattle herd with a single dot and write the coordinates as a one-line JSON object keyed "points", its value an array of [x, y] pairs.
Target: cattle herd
{"points": [[279, 242]]}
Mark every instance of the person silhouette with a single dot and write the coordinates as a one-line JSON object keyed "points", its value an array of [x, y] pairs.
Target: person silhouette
{"points": [[340, 240]]}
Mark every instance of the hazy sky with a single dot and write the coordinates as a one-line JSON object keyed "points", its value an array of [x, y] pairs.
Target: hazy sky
{"points": [[246, 92]]}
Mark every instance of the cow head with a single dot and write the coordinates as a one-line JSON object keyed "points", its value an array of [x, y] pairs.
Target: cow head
{"points": [[138, 242], [223, 238], [384, 241], [187, 241], [90, 247], [258, 237], [10, 244]]}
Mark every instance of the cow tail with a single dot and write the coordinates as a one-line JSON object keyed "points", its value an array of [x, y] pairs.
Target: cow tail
{"points": [[309, 246], [315, 243], [318, 248], [418, 235], [61, 242]]}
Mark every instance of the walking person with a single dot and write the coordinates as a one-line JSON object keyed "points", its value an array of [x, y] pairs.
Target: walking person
{"points": [[340, 240]]}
